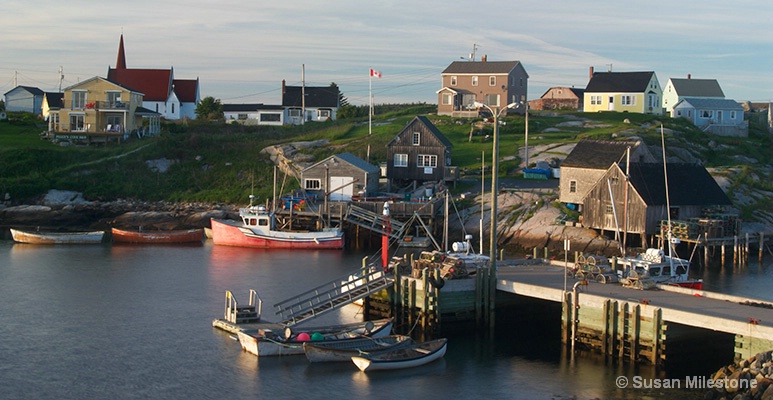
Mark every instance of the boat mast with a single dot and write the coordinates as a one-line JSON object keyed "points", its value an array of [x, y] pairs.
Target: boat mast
{"points": [[482, 197], [625, 198], [668, 203], [445, 225]]}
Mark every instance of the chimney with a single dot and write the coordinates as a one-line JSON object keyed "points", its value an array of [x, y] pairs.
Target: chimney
{"points": [[483, 59], [284, 88], [689, 76], [590, 72]]}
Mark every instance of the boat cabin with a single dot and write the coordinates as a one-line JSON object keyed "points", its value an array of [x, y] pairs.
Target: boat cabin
{"points": [[257, 217]]}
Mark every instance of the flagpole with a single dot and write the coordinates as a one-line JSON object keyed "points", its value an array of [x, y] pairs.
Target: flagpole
{"points": [[370, 110]]}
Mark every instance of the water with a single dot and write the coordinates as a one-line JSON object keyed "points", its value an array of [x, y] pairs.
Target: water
{"points": [[128, 322]]}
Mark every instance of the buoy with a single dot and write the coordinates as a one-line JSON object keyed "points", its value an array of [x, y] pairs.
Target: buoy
{"points": [[303, 337], [316, 337]]}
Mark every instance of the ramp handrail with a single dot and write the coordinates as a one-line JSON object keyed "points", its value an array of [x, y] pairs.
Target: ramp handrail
{"points": [[332, 295], [373, 221]]}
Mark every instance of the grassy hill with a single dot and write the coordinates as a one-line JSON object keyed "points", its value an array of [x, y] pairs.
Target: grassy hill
{"points": [[221, 163]]}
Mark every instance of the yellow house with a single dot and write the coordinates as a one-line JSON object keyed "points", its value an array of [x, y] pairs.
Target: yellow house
{"points": [[97, 110], [636, 92]]}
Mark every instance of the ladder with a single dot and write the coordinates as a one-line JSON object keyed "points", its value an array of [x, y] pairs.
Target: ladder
{"points": [[373, 221], [333, 295], [236, 313]]}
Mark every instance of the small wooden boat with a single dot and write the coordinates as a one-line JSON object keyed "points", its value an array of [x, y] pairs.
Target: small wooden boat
{"points": [[267, 343], [403, 357], [35, 237], [160, 236], [345, 349]]}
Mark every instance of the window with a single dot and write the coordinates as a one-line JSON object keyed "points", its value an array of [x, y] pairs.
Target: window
{"points": [[172, 108], [453, 81], [270, 117], [491, 100], [416, 138], [401, 160], [474, 81], [76, 122], [324, 114], [241, 116], [295, 112], [424, 160], [492, 80], [572, 186], [706, 113], [312, 184], [608, 209], [446, 98], [78, 99], [595, 100], [732, 114], [627, 100], [113, 98], [114, 122], [469, 101]]}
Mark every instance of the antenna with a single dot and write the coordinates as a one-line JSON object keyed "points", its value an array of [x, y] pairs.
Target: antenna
{"points": [[61, 78], [472, 55]]}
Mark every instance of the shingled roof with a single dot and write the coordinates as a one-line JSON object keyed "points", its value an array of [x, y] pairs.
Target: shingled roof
{"points": [[598, 154], [186, 89], [316, 96], [688, 184], [619, 82], [153, 83], [697, 87], [481, 67]]}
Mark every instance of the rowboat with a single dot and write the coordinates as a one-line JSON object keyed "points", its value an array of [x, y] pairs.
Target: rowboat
{"points": [[159, 236], [268, 343], [257, 229], [35, 237], [345, 349], [403, 357]]}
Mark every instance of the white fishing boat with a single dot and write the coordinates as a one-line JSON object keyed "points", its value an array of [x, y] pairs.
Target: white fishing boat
{"points": [[403, 357], [38, 237], [268, 343]]}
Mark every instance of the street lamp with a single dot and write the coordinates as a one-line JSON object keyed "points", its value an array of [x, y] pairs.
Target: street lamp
{"points": [[494, 189]]}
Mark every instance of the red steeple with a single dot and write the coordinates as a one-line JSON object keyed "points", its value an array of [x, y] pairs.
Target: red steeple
{"points": [[121, 62]]}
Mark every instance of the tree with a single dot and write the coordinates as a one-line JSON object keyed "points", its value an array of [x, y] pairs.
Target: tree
{"points": [[209, 109]]}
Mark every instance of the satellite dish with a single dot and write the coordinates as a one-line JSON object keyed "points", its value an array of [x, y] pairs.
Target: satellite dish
{"points": [[2, 115]]}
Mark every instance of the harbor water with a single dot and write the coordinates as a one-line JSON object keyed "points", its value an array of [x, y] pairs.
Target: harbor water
{"points": [[134, 322]]}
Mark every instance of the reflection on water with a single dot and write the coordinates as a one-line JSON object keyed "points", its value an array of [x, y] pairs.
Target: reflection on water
{"points": [[135, 322]]}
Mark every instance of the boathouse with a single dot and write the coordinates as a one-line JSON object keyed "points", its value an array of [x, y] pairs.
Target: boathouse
{"points": [[342, 176], [692, 192], [419, 153]]}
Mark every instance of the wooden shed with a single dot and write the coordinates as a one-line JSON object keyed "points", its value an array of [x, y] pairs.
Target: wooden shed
{"points": [[691, 190], [342, 175], [419, 153]]}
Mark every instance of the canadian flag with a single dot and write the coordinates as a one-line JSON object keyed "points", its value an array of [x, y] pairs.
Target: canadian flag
{"points": [[375, 73]]}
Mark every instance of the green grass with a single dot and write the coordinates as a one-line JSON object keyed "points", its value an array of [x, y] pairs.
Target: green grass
{"points": [[222, 162]]}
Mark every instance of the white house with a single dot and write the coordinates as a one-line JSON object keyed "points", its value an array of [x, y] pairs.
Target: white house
{"points": [[24, 99], [309, 103], [718, 116], [678, 88], [254, 114]]}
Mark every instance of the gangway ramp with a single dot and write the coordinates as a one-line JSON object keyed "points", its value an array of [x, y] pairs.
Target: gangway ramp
{"points": [[333, 295], [373, 221]]}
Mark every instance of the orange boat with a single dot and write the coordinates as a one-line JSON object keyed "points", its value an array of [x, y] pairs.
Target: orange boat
{"points": [[159, 236]]}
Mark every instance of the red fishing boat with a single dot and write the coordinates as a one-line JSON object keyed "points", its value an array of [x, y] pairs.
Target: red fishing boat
{"points": [[257, 229]]}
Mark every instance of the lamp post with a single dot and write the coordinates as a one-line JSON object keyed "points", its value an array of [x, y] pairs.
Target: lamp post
{"points": [[526, 139], [494, 190]]}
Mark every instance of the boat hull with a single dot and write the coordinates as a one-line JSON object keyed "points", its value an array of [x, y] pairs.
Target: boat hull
{"points": [[404, 357], [264, 346], [229, 233], [57, 237], [344, 350], [152, 237]]}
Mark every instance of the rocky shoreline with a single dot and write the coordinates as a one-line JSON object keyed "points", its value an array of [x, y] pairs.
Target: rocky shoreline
{"points": [[750, 379]]}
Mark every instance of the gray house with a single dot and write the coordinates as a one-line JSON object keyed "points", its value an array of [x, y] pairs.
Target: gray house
{"points": [[590, 160], [722, 117], [678, 89], [24, 99], [343, 176], [419, 153]]}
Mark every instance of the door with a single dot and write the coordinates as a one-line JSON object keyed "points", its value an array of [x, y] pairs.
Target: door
{"points": [[343, 188], [611, 103]]}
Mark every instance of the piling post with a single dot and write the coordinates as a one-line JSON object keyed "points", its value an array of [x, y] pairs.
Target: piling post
{"points": [[762, 243], [657, 321], [566, 316], [534, 251], [735, 251], [746, 249], [605, 331], [723, 254], [545, 252], [705, 248], [634, 329]]}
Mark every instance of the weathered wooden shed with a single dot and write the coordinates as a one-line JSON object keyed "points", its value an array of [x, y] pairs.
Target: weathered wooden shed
{"points": [[589, 160], [343, 175], [419, 153], [691, 191]]}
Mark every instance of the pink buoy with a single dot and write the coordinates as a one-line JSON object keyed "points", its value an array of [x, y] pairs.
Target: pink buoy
{"points": [[303, 337]]}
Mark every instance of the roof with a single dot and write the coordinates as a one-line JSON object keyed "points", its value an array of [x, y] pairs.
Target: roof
{"points": [[688, 184], [94, 78], [711, 104], [481, 67], [145, 111], [153, 83], [430, 126], [55, 99], [316, 96], [577, 92], [35, 91], [351, 159], [598, 154], [619, 82], [186, 89], [697, 87]]}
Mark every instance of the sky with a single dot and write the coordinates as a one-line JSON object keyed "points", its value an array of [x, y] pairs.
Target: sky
{"points": [[242, 50]]}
